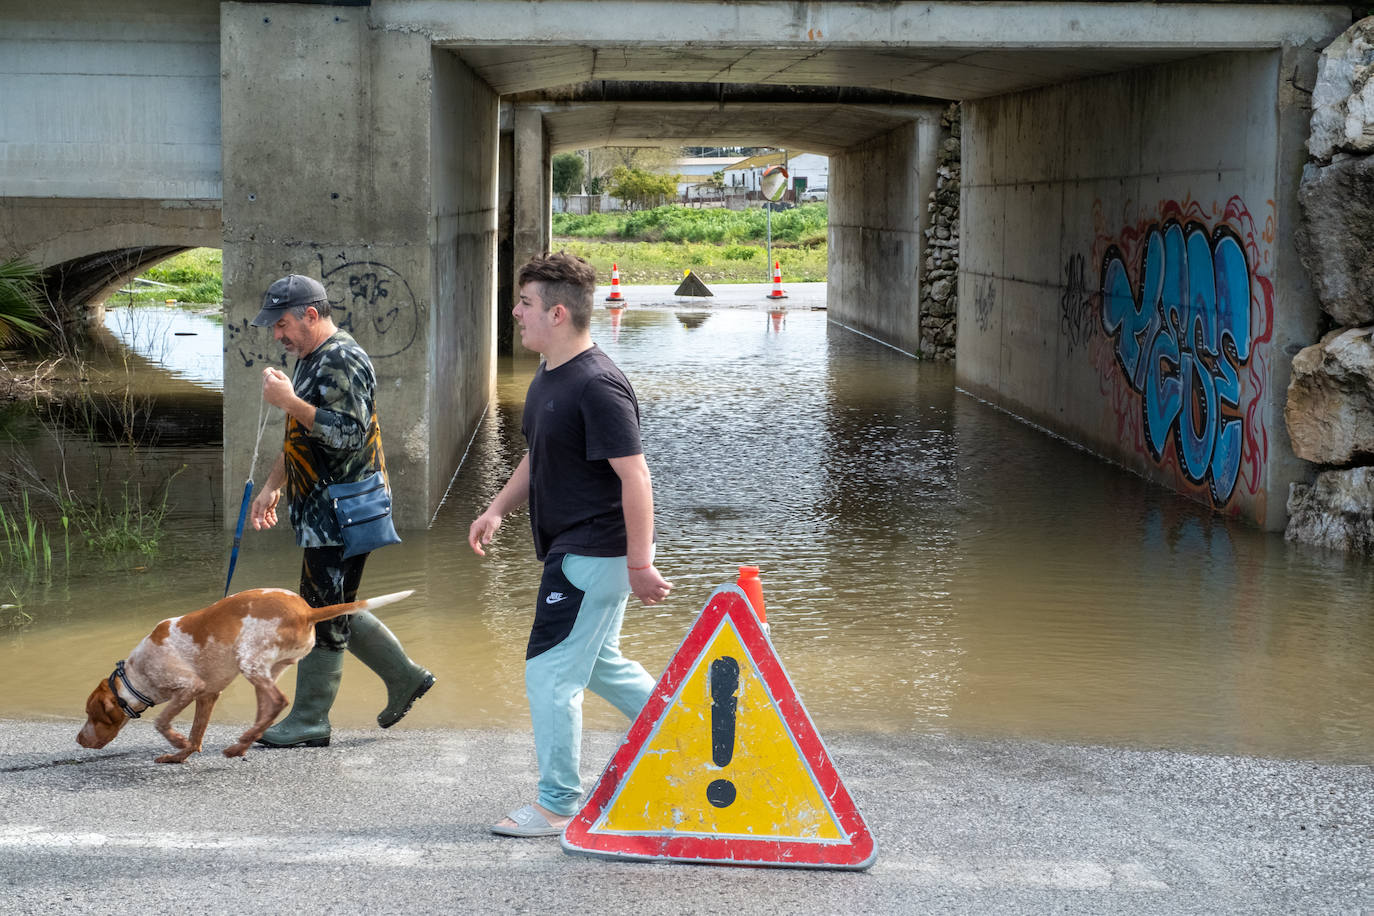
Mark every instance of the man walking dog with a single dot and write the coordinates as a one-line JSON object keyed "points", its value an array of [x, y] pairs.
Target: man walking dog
{"points": [[592, 513], [332, 436]]}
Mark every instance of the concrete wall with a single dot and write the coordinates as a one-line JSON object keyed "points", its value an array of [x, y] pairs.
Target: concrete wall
{"points": [[123, 102], [328, 171], [109, 134], [464, 140], [1178, 369], [876, 247]]}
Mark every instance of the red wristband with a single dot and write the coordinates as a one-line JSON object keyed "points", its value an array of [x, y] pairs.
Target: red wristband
{"points": [[638, 568]]}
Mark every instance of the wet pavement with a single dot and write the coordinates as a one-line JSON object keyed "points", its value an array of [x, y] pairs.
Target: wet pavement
{"points": [[963, 826]]}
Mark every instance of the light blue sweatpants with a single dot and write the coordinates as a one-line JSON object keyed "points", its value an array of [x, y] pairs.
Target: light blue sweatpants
{"points": [[588, 656]]}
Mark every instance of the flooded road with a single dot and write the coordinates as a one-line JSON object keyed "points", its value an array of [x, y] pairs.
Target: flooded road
{"points": [[930, 564]]}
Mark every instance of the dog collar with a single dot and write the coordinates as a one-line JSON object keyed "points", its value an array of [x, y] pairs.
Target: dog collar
{"points": [[118, 676]]}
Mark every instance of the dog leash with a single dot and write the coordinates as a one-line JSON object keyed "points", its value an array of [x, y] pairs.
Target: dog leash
{"points": [[247, 495]]}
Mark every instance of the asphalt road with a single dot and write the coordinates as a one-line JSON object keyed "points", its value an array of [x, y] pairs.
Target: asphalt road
{"points": [[395, 822]]}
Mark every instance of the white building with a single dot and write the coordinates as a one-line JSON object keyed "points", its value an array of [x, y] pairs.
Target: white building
{"points": [[807, 173], [698, 170]]}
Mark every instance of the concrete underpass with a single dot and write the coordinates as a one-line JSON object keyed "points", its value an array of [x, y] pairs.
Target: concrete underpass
{"points": [[1129, 184]]}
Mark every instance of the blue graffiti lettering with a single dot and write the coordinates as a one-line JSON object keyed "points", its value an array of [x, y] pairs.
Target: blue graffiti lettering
{"points": [[1181, 340]]}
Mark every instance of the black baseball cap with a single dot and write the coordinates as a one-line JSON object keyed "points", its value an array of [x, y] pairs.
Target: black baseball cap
{"points": [[287, 293]]}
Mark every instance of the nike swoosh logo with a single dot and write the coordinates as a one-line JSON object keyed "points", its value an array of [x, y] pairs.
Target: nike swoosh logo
{"points": [[554, 597]]}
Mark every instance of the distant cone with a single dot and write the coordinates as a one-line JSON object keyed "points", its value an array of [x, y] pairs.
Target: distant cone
{"points": [[615, 285], [777, 292], [692, 286]]}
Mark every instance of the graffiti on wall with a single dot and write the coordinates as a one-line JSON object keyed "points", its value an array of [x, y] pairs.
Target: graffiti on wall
{"points": [[1077, 312], [984, 301], [369, 300], [1187, 309]]}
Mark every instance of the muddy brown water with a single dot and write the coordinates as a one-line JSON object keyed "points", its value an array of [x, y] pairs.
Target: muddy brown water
{"points": [[930, 565]]}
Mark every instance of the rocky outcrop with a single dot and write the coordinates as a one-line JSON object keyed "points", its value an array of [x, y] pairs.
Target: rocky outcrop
{"points": [[1336, 241], [1343, 100], [1336, 510], [1330, 408], [940, 286]]}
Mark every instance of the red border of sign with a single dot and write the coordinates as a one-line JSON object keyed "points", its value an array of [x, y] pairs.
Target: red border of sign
{"points": [[859, 852]]}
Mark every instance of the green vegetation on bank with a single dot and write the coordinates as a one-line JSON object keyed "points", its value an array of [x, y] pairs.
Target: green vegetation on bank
{"points": [[804, 225], [192, 276], [25, 558], [664, 262], [93, 500], [718, 245]]}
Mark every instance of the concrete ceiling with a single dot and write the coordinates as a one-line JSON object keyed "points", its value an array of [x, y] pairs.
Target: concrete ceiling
{"points": [[953, 73], [802, 127], [860, 93]]}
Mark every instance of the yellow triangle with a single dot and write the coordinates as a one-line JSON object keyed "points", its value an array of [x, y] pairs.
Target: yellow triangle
{"points": [[775, 794]]}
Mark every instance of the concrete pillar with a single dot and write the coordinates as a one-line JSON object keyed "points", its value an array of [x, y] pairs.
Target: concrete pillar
{"points": [[363, 158], [532, 189], [505, 233], [878, 194]]}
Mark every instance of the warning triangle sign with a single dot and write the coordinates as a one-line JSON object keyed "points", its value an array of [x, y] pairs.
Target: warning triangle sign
{"points": [[723, 764]]}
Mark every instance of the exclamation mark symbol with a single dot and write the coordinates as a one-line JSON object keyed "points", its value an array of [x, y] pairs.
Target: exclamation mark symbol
{"points": [[724, 685]]}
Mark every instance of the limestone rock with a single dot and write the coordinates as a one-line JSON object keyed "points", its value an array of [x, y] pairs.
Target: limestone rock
{"points": [[1336, 240], [1330, 409], [1340, 105], [1336, 511], [1359, 113]]}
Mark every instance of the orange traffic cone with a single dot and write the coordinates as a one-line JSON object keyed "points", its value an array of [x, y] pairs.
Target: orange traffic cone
{"points": [[752, 586], [777, 292], [615, 285], [779, 319]]}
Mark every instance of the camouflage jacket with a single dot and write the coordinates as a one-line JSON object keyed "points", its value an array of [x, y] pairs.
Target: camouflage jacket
{"points": [[345, 444]]}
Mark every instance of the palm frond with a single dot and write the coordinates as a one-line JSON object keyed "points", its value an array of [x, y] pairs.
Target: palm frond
{"points": [[21, 315]]}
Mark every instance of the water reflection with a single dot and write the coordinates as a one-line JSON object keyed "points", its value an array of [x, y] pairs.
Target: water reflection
{"points": [[185, 344], [931, 564], [692, 320]]}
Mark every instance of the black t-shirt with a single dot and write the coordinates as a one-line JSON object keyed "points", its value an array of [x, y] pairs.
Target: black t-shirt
{"points": [[576, 418]]}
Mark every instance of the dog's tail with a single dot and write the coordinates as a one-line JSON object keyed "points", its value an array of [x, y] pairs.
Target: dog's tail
{"points": [[356, 607]]}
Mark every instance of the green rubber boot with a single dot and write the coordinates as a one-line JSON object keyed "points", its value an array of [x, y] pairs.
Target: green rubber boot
{"points": [[379, 649], [317, 683]]}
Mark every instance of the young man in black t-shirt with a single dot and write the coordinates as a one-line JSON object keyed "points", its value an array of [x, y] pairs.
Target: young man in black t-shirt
{"points": [[592, 514]]}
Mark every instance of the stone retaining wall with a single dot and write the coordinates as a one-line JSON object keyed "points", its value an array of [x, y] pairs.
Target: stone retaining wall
{"points": [[1330, 408], [940, 290]]}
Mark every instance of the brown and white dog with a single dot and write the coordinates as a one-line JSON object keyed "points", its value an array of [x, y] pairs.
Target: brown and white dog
{"points": [[193, 657]]}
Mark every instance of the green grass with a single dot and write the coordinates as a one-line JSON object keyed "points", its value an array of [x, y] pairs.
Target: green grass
{"points": [[665, 262], [25, 559], [718, 245], [804, 225], [192, 276], [134, 525]]}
